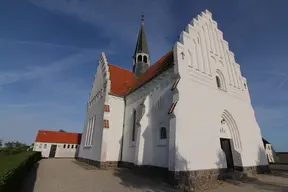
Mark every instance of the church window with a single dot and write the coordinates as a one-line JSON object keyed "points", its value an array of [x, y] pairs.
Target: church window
{"points": [[145, 59], [163, 133], [106, 123], [68, 146], [218, 82], [106, 108], [139, 58], [172, 107], [245, 86], [134, 125], [45, 146], [175, 84], [89, 131]]}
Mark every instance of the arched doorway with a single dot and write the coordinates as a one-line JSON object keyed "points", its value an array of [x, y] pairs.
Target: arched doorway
{"points": [[230, 140]]}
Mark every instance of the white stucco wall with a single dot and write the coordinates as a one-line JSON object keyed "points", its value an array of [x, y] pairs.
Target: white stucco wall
{"points": [[148, 148], [113, 138], [199, 56], [60, 151]]}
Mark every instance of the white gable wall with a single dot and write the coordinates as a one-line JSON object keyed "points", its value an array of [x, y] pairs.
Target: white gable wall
{"points": [[95, 108], [60, 151], [199, 56]]}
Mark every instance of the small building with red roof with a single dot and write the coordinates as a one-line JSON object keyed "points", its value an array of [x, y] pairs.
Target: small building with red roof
{"points": [[57, 143], [189, 112]]}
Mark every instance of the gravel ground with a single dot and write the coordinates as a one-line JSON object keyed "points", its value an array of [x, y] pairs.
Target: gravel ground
{"points": [[66, 175]]}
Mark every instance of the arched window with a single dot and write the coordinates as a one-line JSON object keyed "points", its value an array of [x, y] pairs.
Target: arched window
{"points": [[163, 133], [145, 59], [139, 58], [134, 125], [218, 82]]}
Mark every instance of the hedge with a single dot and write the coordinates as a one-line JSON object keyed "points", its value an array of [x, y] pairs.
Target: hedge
{"points": [[14, 168]]}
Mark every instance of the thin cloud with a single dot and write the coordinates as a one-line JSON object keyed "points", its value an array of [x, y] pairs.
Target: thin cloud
{"points": [[120, 23], [37, 71], [272, 91], [39, 43]]}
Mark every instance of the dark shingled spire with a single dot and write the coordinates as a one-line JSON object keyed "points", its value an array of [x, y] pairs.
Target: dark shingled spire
{"points": [[141, 58], [141, 46]]}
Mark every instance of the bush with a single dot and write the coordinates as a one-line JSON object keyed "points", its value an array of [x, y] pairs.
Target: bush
{"points": [[14, 168]]}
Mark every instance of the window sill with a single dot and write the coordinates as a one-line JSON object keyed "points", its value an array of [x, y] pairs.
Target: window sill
{"points": [[89, 146]]}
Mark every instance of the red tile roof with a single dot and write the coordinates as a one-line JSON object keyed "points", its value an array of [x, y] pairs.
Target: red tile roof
{"points": [[58, 137], [121, 80], [124, 81]]}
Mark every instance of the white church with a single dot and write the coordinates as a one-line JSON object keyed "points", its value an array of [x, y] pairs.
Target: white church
{"points": [[189, 114]]}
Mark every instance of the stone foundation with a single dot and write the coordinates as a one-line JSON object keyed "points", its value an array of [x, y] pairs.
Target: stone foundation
{"points": [[260, 169], [206, 179], [197, 180], [99, 164]]}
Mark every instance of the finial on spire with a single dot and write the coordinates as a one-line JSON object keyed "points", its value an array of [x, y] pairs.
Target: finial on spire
{"points": [[142, 17]]}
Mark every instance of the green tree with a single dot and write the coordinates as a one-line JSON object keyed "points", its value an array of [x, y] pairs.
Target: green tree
{"points": [[9, 145]]}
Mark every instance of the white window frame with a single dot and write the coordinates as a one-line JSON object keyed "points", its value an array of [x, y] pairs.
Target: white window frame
{"points": [[90, 139], [87, 133]]}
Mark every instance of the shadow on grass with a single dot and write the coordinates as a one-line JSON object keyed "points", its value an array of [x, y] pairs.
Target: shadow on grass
{"points": [[30, 181]]}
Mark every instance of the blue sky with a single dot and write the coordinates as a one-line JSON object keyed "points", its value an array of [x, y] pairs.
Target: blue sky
{"points": [[49, 51]]}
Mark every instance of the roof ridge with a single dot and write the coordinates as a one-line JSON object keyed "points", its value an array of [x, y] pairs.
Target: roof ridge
{"points": [[58, 131]]}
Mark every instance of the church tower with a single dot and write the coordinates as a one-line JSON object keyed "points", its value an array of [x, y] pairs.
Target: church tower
{"points": [[141, 57]]}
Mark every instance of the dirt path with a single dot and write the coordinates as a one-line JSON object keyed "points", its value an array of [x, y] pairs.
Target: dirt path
{"points": [[65, 175]]}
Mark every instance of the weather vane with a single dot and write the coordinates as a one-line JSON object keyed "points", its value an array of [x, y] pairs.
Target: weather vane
{"points": [[142, 16]]}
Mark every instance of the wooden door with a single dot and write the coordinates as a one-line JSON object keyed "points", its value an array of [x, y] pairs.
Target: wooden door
{"points": [[226, 147], [53, 151]]}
